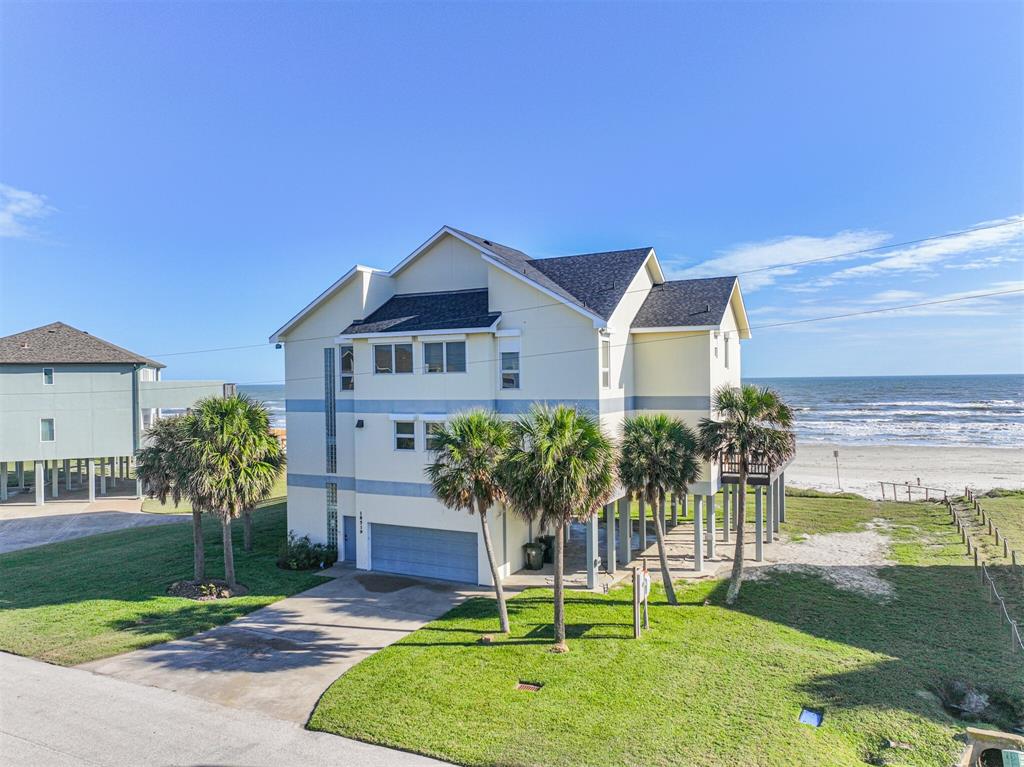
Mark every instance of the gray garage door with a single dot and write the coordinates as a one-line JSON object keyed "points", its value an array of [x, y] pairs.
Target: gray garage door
{"points": [[444, 554]]}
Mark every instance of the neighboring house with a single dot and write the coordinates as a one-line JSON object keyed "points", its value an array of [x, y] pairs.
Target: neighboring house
{"points": [[381, 357], [77, 406]]}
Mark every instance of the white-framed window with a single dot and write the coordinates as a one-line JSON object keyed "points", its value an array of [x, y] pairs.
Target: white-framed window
{"points": [[48, 376], [510, 370], [392, 358], [725, 345], [444, 357], [47, 430], [405, 435], [430, 428], [606, 363], [348, 375]]}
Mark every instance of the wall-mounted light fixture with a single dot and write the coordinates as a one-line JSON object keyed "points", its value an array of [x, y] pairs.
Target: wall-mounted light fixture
{"points": [[359, 423]]}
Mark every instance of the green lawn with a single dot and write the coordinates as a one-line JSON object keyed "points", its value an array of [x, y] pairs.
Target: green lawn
{"points": [[707, 685], [153, 506], [89, 598]]}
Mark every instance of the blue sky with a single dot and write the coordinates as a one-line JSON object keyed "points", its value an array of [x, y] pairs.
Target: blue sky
{"points": [[184, 176]]}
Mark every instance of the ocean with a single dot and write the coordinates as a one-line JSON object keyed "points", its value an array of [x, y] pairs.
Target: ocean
{"points": [[963, 411]]}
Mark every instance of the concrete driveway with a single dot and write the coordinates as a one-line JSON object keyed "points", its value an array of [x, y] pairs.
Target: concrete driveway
{"points": [[280, 659], [69, 718], [23, 525]]}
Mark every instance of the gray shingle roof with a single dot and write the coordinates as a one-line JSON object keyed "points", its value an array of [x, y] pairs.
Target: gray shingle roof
{"points": [[681, 303], [593, 281], [411, 312], [58, 343]]}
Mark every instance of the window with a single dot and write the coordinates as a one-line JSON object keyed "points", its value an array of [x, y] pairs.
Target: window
{"points": [[330, 414], [444, 357], [405, 435], [47, 432], [510, 370], [430, 428], [392, 358], [606, 363], [48, 376], [348, 378], [332, 515], [725, 344]]}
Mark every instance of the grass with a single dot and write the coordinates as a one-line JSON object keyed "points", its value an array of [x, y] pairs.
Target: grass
{"points": [[1006, 509], [153, 506], [90, 598], [707, 685]]}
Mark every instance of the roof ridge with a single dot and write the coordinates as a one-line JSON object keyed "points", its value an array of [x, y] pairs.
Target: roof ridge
{"points": [[597, 253]]}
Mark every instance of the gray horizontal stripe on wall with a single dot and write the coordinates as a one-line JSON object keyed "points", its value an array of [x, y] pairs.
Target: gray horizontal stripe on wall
{"points": [[503, 406], [368, 486], [694, 402], [431, 406]]}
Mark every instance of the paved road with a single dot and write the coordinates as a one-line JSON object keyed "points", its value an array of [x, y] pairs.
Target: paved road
{"points": [[67, 717], [24, 525], [280, 659]]}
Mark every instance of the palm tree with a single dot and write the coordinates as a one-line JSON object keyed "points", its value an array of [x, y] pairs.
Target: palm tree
{"points": [[658, 454], [756, 427], [236, 458], [561, 467], [165, 466], [464, 475]]}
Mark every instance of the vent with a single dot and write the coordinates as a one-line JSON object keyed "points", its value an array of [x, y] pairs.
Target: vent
{"points": [[529, 686]]}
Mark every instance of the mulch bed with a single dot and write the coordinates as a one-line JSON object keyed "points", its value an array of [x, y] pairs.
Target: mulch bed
{"points": [[205, 591]]}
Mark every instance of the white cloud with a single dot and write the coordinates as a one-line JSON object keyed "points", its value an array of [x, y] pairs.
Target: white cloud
{"points": [[761, 264], [894, 297], [1007, 232], [771, 253], [18, 208]]}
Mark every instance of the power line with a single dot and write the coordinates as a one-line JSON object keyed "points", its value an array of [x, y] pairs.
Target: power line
{"points": [[820, 259], [559, 352]]}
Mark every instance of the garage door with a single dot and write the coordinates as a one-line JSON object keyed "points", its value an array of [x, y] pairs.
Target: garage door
{"points": [[444, 554]]}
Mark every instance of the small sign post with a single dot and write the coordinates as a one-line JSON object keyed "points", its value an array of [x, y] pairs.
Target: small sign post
{"points": [[835, 454], [636, 603]]}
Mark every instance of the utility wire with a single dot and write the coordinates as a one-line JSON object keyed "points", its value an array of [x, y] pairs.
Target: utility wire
{"points": [[559, 352], [834, 256]]}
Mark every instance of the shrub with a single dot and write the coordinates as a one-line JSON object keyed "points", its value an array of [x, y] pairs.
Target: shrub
{"points": [[302, 554]]}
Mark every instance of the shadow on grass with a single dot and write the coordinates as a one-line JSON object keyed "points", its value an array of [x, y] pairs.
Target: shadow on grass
{"points": [[936, 628]]}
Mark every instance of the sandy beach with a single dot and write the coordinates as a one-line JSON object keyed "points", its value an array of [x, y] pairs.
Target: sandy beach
{"points": [[861, 468]]}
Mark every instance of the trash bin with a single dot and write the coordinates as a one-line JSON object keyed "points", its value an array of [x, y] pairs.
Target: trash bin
{"points": [[548, 542], [534, 556]]}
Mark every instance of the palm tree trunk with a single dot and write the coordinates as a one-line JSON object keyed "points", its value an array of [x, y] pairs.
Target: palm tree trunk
{"points": [[499, 592], [229, 552], [560, 645], [247, 529], [198, 551], [666, 575], [737, 561]]}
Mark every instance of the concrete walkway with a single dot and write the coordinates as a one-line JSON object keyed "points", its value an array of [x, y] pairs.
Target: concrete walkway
{"points": [[280, 659], [66, 717], [23, 525]]}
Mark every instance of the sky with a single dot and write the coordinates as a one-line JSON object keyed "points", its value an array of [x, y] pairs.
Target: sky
{"points": [[187, 176]]}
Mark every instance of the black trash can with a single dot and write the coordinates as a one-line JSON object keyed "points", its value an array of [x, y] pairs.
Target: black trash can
{"points": [[534, 554], [548, 542]]}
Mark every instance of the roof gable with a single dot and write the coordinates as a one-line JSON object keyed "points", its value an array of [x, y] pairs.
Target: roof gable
{"points": [[59, 343], [597, 280]]}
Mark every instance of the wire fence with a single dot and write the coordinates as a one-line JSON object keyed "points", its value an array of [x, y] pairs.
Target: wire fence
{"points": [[988, 581]]}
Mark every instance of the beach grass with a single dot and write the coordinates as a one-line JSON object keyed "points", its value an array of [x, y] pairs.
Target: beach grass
{"points": [[707, 685], [93, 597], [1006, 510]]}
